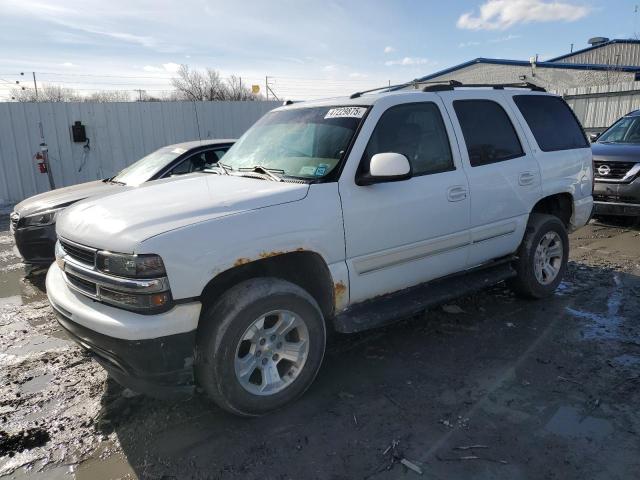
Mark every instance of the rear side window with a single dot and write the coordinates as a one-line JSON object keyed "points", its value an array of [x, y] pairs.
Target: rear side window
{"points": [[552, 122], [488, 132]]}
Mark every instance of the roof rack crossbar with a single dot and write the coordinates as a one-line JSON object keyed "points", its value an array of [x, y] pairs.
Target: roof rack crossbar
{"points": [[495, 86], [414, 83]]}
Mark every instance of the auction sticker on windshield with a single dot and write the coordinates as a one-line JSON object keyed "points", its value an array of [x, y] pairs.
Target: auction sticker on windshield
{"points": [[346, 112]]}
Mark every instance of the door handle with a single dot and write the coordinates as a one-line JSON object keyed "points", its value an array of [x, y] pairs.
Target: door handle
{"points": [[456, 193], [526, 178]]}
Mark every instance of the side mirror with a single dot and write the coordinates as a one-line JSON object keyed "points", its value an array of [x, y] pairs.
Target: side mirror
{"points": [[386, 167], [593, 137]]}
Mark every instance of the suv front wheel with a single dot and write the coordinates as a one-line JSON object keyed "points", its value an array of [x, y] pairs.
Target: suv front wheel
{"points": [[260, 346], [542, 257]]}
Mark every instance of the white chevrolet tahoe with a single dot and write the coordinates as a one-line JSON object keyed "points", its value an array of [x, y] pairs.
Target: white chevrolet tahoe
{"points": [[343, 214]]}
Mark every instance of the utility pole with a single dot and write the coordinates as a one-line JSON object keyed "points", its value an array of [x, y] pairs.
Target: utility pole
{"points": [[266, 87], [35, 85]]}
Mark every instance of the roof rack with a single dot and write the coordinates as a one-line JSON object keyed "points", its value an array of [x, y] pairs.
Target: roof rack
{"points": [[414, 83], [444, 85], [495, 86]]}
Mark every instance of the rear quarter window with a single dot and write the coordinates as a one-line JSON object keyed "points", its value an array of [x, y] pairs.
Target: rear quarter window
{"points": [[552, 122]]}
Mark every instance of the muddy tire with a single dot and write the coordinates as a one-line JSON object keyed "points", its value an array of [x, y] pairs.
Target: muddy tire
{"points": [[259, 346], [542, 257]]}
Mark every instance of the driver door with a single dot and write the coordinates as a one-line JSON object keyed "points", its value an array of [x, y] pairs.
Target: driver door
{"points": [[403, 233]]}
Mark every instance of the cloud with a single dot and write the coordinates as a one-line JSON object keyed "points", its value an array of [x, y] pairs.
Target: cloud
{"points": [[468, 44], [67, 64], [407, 61], [358, 75], [171, 67], [389, 49], [330, 68], [166, 67], [502, 14], [505, 39]]}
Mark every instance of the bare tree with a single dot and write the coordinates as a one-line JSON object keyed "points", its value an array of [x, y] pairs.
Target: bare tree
{"points": [[105, 96], [200, 86], [46, 93]]}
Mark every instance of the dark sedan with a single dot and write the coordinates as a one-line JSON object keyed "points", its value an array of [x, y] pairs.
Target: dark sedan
{"points": [[33, 220], [616, 158]]}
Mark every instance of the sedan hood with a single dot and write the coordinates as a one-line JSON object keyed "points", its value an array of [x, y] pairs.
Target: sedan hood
{"points": [[121, 222], [616, 152], [65, 196]]}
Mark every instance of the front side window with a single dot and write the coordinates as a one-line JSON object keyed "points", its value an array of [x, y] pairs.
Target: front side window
{"points": [[625, 130], [415, 130], [301, 142], [552, 122], [199, 162], [488, 132]]}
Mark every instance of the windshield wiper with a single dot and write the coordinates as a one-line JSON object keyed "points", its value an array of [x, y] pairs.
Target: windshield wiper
{"points": [[116, 182], [267, 171], [221, 166]]}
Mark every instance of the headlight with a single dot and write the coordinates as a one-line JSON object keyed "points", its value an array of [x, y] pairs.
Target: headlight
{"points": [[133, 266], [40, 219]]}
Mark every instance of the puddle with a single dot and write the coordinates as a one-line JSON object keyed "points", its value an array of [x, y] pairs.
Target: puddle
{"points": [[569, 422], [604, 326], [626, 360]]}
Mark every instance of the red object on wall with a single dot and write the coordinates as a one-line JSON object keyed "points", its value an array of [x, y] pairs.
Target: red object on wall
{"points": [[42, 167]]}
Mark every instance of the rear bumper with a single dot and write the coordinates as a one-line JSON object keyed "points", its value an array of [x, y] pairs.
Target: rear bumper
{"points": [[36, 244], [151, 354]]}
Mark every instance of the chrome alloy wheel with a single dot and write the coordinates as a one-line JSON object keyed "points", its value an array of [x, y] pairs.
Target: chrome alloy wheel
{"points": [[547, 260], [272, 352]]}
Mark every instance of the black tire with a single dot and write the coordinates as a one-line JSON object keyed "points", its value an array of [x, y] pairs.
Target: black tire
{"points": [[526, 284], [222, 327]]}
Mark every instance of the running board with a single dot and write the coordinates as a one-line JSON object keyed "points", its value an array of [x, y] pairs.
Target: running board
{"points": [[395, 306]]}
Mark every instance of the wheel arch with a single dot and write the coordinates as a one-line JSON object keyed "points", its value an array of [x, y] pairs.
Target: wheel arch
{"points": [[558, 204], [304, 268]]}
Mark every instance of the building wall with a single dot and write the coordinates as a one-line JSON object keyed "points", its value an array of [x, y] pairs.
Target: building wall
{"points": [[598, 107], [119, 133], [611, 54], [551, 78]]}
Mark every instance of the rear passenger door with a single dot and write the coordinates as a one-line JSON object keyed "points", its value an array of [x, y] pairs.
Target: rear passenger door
{"points": [[504, 177]]}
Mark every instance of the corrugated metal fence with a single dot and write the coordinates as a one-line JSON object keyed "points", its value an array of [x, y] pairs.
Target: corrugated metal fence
{"points": [[599, 106], [119, 134]]}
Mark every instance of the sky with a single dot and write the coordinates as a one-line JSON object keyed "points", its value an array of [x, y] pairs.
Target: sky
{"points": [[308, 49]]}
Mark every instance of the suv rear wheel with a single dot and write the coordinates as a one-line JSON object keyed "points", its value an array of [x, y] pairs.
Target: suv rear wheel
{"points": [[260, 347], [542, 257]]}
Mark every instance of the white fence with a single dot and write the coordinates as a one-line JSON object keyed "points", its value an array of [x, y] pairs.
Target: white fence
{"points": [[119, 134]]}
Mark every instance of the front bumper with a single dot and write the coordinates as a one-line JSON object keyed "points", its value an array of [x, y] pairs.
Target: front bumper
{"points": [[151, 354], [36, 245], [617, 198]]}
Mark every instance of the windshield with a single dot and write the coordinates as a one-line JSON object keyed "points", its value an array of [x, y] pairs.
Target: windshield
{"points": [[303, 142], [625, 130], [145, 168]]}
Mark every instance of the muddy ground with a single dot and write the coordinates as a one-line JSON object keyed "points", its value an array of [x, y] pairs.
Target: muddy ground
{"points": [[489, 387]]}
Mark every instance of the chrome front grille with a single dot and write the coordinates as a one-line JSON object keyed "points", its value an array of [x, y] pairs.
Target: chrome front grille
{"points": [[79, 253], [615, 171], [85, 286]]}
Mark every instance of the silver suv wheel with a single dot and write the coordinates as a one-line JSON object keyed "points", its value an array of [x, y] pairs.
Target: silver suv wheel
{"points": [[272, 352], [548, 258]]}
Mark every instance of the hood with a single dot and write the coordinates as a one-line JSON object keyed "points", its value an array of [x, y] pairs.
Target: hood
{"points": [[64, 196], [120, 222], [616, 152]]}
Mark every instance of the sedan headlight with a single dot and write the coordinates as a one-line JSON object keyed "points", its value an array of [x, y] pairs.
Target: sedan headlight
{"points": [[133, 266], [40, 219]]}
